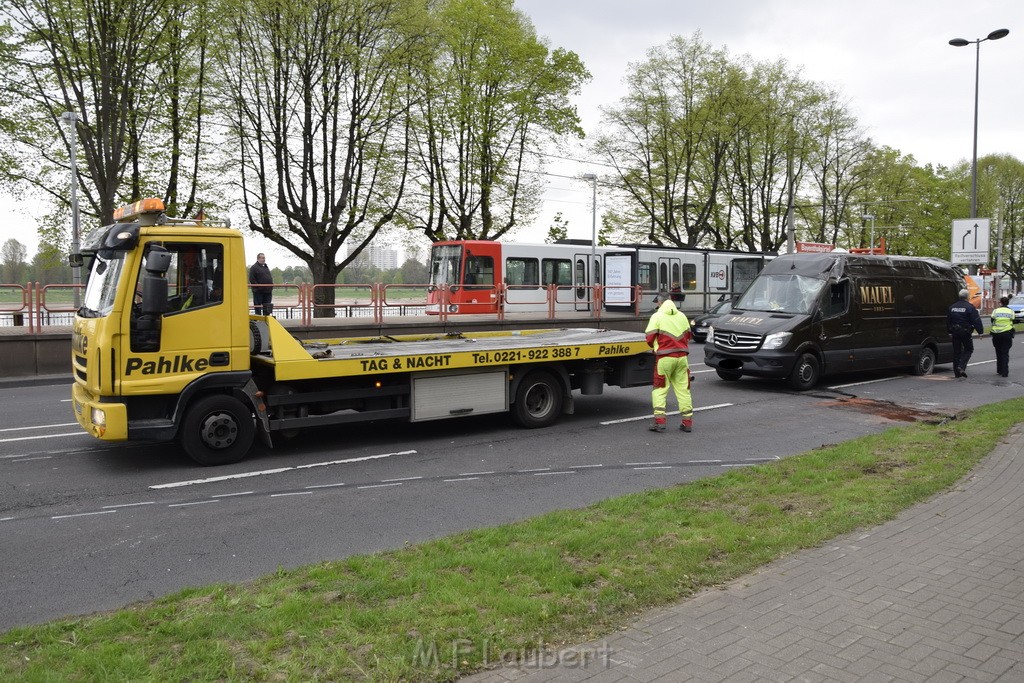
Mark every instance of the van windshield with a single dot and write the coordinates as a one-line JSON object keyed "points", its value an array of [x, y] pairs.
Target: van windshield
{"points": [[784, 293]]}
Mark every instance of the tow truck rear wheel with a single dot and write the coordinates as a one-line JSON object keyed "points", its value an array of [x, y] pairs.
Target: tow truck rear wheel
{"points": [[538, 401], [217, 430]]}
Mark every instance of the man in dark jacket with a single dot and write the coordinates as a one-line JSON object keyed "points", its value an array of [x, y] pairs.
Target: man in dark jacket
{"points": [[261, 282], [961, 320]]}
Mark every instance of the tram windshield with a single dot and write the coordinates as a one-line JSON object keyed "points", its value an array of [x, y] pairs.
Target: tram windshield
{"points": [[445, 265]]}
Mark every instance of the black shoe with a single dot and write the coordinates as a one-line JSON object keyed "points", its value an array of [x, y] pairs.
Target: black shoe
{"points": [[963, 372], [956, 372], [684, 428]]}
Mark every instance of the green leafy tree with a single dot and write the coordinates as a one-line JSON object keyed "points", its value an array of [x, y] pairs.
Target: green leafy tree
{"points": [[12, 262], [492, 95], [131, 72], [559, 229]]}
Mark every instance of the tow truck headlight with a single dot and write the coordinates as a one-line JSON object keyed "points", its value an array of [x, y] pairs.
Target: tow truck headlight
{"points": [[99, 417], [776, 340]]}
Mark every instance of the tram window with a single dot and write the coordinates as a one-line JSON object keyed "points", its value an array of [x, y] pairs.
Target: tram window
{"points": [[645, 275], [522, 272], [689, 276], [556, 272], [480, 271]]}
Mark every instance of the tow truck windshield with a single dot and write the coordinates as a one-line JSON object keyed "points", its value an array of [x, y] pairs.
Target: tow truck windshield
{"points": [[101, 290]]}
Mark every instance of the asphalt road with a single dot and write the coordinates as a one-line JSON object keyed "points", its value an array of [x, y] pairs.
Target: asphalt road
{"points": [[87, 526]]}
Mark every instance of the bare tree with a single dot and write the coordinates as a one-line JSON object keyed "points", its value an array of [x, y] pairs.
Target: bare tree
{"points": [[319, 101]]}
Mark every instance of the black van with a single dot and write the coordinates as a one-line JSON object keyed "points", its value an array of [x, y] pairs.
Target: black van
{"points": [[809, 315]]}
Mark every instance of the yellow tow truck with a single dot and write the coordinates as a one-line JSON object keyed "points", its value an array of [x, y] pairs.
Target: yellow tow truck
{"points": [[164, 348]]}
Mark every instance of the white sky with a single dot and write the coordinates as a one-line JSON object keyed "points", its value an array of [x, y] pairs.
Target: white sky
{"points": [[890, 59]]}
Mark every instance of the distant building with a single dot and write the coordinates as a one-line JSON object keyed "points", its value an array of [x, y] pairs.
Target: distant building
{"points": [[379, 257]]}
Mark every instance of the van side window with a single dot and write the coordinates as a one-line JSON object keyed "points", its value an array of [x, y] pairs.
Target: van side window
{"points": [[838, 299]]}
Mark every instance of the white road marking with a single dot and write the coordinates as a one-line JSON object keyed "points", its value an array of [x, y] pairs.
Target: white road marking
{"points": [[230, 495], [128, 505], [548, 474], [538, 469], [378, 486], [41, 457], [583, 467], [6, 519], [291, 493], [22, 429], [279, 470], [35, 438], [654, 467], [674, 412], [475, 474], [325, 486], [198, 502], [870, 381], [402, 479], [631, 464], [83, 514], [703, 462], [461, 479]]}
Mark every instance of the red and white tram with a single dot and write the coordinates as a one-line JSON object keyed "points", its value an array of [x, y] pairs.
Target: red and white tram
{"points": [[479, 276]]}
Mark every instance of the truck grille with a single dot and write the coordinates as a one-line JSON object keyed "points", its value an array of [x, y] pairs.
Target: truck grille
{"points": [[737, 341]]}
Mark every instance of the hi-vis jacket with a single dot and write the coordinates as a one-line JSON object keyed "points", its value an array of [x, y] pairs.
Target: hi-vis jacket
{"points": [[668, 331], [1002, 320]]}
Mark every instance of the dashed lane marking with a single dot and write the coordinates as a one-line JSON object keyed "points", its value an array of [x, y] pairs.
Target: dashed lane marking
{"points": [[278, 470], [674, 412]]}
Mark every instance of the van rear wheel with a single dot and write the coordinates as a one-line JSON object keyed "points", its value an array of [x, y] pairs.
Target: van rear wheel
{"points": [[925, 362], [806, 373]]}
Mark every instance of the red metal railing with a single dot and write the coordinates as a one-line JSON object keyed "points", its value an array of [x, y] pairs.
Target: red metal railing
{"points": [[36, 306]]}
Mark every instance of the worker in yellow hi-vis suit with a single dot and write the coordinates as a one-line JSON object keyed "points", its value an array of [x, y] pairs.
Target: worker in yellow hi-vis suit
{"points": [[668, 333]]}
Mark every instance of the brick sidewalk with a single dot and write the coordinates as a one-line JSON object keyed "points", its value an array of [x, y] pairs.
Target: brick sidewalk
{"points": [[935, 595]]}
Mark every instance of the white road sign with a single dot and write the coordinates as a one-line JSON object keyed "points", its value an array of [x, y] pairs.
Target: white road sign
{"points": [[970, 241]]}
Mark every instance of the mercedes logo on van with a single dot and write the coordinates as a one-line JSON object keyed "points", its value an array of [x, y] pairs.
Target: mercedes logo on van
{"points": [[732, 339]]}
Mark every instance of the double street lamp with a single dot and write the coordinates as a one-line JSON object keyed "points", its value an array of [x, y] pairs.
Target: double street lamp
{"points": [[960, 42]]}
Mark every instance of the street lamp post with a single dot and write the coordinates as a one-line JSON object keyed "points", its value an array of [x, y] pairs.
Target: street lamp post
{"points": [[593, 226], [871, 217], [960, 42], [75, 258]]}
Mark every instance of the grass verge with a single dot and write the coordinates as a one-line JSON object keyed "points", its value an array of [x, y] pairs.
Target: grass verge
{"points": [[441, 609]]}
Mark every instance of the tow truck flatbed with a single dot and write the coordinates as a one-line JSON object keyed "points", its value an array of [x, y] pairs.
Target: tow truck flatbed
{"points": [[292, 359]]}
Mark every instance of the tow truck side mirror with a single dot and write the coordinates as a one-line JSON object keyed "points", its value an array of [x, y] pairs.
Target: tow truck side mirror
{"points": [[154, 282]]}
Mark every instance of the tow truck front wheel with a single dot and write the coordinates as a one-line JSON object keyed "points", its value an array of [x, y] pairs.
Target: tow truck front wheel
{"points": [[538, 401], [217, 430]]}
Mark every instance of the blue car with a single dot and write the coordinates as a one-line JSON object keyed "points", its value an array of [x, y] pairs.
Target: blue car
{"points": [[1017, 306]]}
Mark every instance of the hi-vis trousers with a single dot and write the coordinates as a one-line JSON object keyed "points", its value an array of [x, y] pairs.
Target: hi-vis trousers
{"points": [[672, 372]]}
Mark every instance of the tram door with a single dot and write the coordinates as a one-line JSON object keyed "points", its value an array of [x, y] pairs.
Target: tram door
{"points": [[586, 273], [669, 274]]}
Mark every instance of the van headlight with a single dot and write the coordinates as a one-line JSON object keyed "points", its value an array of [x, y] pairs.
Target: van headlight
{"points": [[776, 340], [711, 334]]}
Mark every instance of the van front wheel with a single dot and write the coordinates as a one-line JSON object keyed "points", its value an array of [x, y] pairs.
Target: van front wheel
{"points": [[806, 373], [925, 362]]}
